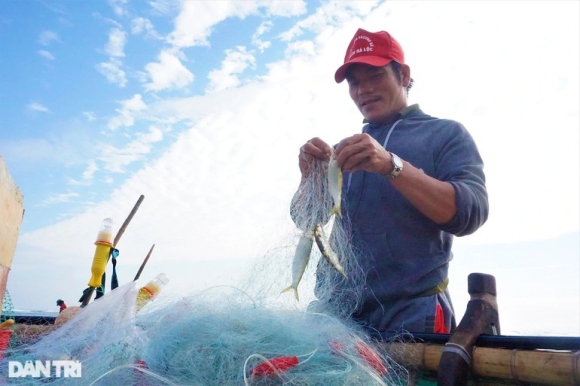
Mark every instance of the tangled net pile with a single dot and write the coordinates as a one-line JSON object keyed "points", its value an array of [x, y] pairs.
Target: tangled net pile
{"points": [[225, 335]]}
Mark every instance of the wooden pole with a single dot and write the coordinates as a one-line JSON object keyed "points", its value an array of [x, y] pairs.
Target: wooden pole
{"points": [[128, 220], [89, 295], [481, 317], [138, 275]]}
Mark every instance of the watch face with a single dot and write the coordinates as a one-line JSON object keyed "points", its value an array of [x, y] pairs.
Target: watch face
{"points": [[397, 161]]}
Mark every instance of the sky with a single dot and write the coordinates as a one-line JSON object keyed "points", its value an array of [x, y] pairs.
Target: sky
{"points": [[201, 106]]}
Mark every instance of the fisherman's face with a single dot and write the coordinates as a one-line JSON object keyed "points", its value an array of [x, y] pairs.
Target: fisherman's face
{"points": [[377, 91]]}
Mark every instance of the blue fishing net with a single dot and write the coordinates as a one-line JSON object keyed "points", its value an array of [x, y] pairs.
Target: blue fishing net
{"points": [[248, 333]]}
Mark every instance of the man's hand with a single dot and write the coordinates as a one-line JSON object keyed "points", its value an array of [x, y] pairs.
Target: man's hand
{"points": [[313, 149], [363, 152]]}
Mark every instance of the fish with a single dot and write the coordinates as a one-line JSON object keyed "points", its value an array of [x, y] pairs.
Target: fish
{"points": [[301, 258], [326, 250], [335, 186]]}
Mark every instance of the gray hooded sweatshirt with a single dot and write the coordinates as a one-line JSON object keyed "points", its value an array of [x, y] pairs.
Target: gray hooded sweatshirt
{"points": [[406, 255]]}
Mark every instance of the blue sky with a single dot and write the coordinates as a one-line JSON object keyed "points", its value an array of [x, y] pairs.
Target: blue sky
{"points": [[201, 106], [105, 52]]}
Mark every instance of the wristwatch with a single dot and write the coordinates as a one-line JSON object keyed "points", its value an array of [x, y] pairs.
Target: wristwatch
{"points": [[397, 167]]}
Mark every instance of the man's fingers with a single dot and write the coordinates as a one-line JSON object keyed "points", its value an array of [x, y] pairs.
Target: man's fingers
{"points": [[356, 162], [350, 155], [320, 144], [359, 141], [315, 148]]}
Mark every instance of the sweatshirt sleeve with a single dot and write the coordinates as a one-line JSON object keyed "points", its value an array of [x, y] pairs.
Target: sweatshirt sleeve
{"points": [[459, 163]]}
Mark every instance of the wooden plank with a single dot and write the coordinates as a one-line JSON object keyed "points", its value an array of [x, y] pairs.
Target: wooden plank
{"points": [[11, 212]]}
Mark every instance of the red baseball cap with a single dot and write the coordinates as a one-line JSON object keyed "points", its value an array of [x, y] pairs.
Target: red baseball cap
{"points": [[373, 48]]}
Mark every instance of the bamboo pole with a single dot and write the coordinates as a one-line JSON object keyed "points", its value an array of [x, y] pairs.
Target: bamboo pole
{"points": [[534, 366], [548, 367], [128, 220], [138, 275]]}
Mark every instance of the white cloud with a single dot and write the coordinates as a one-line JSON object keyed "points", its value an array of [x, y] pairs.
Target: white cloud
{"points": [[118, 6], [35, 106], [115, 159], [90, 171], [45, 54], [236, 62], [265, 26], [207, 14], [168, 73], [262, 28], [331, 15], [112, 71], [284, 8], [89, 115], [47, 37], [115, 50], [144, 26], [127, 111], [116, 44], [301, 48], [165, 7], [87, 176], [59, 199]]}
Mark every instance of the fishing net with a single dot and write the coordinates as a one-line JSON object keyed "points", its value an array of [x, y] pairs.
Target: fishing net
{"points": [[246, 334], [7, 307], [311, 205]]}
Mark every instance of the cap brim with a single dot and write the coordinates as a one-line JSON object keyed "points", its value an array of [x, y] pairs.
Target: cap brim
{"points": [[376, 61]]}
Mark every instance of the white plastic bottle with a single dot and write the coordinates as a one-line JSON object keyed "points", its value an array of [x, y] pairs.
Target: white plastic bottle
{"points": [[150, 290]]}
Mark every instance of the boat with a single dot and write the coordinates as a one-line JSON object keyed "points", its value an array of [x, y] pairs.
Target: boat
{"points": [[476, 353]]}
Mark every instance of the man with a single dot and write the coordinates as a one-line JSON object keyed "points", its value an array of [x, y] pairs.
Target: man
{"points": [[61, 304], [411, 182]]}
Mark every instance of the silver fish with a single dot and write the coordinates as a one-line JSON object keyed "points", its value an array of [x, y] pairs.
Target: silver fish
{"points": [[335, 186], [326, 251], [301, 258]]}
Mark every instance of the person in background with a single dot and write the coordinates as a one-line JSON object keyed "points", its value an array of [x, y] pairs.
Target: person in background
{"points": [[61, 304], [411, 182]]}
